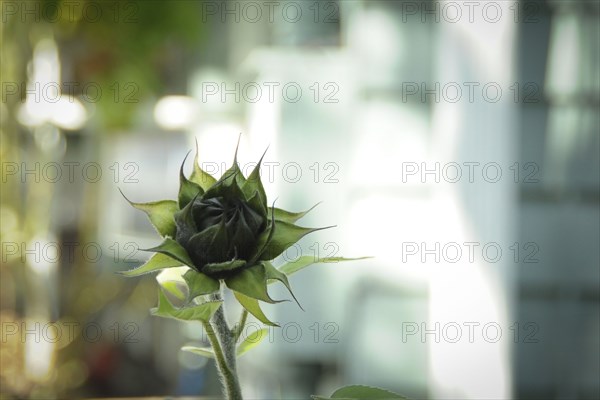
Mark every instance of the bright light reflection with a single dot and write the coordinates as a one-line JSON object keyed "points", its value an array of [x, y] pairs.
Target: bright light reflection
{"points": [[563, 64], [44, 102], [47, 254], [39, 352], [68, 113], [172, 275], [176, 112], [216, 142], [378, 36]]}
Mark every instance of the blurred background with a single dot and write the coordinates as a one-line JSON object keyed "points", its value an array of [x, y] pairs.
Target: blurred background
{"points": [[455, 142]]}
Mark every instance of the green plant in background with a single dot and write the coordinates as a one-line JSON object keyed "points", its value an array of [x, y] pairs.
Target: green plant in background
{"points": [[227, 235]]}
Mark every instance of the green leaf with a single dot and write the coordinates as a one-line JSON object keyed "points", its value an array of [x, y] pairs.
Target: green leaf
{"points": [[290, 217], [202, 312], [174, 288], [201, 351], [157, 262], [160, 214], [199, 284], [251, 282], [174, 250], [355, 392], [304, 261], [284, 235], [274, 274], [253, 307], [251, 341], [224, 266], [188, 190], [199, 176]]}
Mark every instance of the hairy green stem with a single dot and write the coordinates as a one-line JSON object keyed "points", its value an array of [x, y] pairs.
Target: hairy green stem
{"points": [[240, 326], [223, 341]]}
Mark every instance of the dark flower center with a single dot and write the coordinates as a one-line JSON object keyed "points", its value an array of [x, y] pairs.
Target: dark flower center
{"points": [[220, 229]]}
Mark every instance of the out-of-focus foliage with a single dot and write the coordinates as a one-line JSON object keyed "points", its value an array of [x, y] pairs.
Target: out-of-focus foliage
{"points": [[132, 50]]}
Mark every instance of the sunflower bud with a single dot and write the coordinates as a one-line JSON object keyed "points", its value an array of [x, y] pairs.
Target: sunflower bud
{"points": [[220, 229], [224, 232]]}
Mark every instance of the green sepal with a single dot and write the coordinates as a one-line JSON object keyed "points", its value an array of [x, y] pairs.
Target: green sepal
{"points": [[283, 236], [202, 312], [199, 284], [187, 189], [227, 185], [273, 273], [174, 250], [229, 178], [251, 282], [184, 220], [251, 342], [199, 176], [201, 351], [224, 266], [256, 204], [254, 185], [233, 176], [305, 261], [265, 238], [157, 262], [356, 392], [290, 217], [240, 180], [214, 236], [160, 214], [235, 168], [253, 307]]}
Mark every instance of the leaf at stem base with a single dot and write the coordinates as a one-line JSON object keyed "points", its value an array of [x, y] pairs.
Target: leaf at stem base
{"points": [[201, 312], [201, 351], [356, 392], [252, 341]]}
